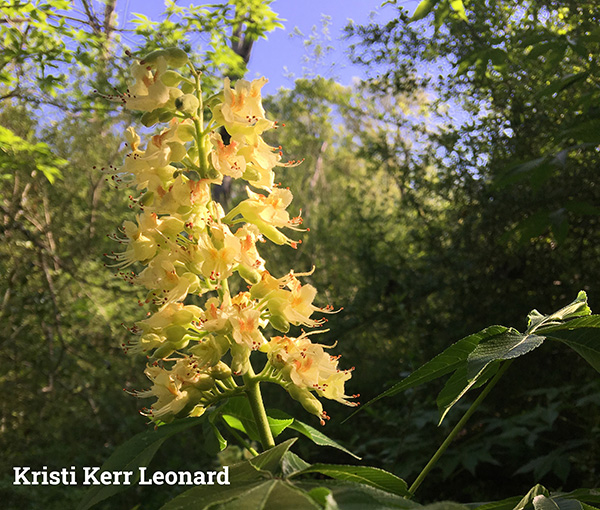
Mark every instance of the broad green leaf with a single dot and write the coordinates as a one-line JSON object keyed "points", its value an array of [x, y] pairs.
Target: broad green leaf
{"points": [[459, 384], [214, 441], [270, 460], [582, 335], [585, 495], [444, 363], [374, 477], [133, 454], [504, 504], [249, 482], [323, 496], [318, 437], [445, 505], [202, 496], [423, 9], [358, 496], [286, 495], [585, 506], [542, 502], [509, 345], [291, 463], [238, 415]]}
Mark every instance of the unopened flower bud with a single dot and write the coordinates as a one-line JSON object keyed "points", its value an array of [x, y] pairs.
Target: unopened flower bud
{"points": [[178, 151], [164, 351], [240, 362], [252, 276], [307, 399], [175, 333], [188, 103], [203, 382], [187, 87], [220, 371], [187, 132], [147, 198], [280, 323], [171, 78], [251, 174], [175, 57]]}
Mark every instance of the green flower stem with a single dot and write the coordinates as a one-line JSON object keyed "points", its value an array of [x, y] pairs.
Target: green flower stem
{"points": [[252, 386], [457, 428], [198, 120]]}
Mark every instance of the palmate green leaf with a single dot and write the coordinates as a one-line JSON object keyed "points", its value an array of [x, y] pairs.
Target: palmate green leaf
{"points": [[580, 496], [317, 437], [357, 496], [481, 362], [583, 495], [444, 363], [291, 463], [204, 496], [323, 496], [263, 495], [130, 456], [252, 486], [509, 345], [459, 384], [374, 477], [503, 504], [214, 442], [542, 502], [582, 335], [445, 505], [270, 460], [238, 415], [516, 502]]}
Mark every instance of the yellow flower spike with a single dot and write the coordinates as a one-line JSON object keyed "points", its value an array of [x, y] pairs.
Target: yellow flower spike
{"points": [[188, 245]]}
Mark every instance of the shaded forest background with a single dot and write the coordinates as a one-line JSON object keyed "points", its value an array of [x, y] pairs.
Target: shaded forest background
{"points": [[453, 187]]}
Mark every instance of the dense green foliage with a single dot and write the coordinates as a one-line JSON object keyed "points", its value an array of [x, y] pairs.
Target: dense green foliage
{"points": [[437, 206]]}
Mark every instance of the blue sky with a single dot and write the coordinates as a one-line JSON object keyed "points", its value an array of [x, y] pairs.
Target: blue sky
{"points": [[284, 53]]}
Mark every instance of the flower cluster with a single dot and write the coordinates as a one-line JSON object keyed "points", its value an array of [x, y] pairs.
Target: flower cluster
{"points": [[186, 247]]}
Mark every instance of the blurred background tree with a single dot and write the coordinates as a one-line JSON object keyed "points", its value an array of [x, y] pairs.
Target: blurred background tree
{"points": [[450, 189]]}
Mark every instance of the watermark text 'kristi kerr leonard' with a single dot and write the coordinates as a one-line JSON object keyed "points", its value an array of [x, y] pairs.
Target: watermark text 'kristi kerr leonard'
{"points": [[94, 476]]}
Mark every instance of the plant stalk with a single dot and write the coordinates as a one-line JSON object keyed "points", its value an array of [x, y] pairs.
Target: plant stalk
{"points": [[258, 409], [457, 428]]}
